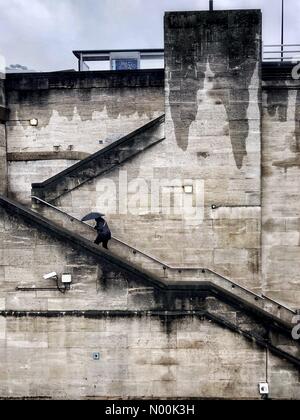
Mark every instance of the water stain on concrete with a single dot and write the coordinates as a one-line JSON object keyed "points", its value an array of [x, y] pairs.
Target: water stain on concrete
{"points": [[116, 103], [277, 103], [288, 163], [232, 56]]}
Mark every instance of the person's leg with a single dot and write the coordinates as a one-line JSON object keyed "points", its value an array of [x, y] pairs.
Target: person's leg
{"points": [[98, 240], [105, 243]]}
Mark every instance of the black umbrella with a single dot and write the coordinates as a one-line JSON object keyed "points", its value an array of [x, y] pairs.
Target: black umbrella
{"points": [[92, 216]]}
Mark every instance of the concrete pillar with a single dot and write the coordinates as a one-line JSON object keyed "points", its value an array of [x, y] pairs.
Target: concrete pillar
{"points": [[213, 118], [3, 152]]}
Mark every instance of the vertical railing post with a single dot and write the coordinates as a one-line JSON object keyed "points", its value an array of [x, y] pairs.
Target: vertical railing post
{"points": [[282, 30]]}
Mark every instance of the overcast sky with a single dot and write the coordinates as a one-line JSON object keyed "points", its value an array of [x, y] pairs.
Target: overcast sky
{"points": [[41, 34]]}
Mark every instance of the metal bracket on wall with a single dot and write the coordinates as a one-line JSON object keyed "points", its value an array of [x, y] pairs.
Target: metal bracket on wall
{"points": [[58, 288]]}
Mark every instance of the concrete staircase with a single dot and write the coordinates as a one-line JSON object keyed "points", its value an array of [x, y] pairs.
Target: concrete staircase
{"points": [[102, 161], [199, 289], [209, 295]]}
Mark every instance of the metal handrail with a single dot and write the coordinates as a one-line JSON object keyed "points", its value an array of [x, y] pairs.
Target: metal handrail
{"points": [[279, 52], [85, 224], [165, 266], [279, 304], [281, 45]]}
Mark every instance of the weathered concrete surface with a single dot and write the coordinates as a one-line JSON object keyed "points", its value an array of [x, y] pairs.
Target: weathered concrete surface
{"points": [[3, 144], [80, 109], [139, 358], [213, 84], [228, 238], [102, 161], [187, 355], [3, 162], [226, 47], [21, 175], [281, 189], [83, 112]]}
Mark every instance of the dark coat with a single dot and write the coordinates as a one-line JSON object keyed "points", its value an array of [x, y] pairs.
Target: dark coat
{"points": [[103, 230]]}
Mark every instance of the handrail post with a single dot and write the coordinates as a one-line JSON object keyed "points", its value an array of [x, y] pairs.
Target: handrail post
{"points": [[282, 30]]}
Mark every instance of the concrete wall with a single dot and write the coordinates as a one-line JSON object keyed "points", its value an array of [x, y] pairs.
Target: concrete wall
{"points": [[76, 111], [213, 95], [47, 352], [281, 204], [3, 161], [213, 136], [53, 358], [21, 174]]}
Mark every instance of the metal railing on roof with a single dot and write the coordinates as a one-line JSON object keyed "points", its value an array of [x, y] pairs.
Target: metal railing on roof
{"points": [[281, 52], [271, 52], [118, 59]]}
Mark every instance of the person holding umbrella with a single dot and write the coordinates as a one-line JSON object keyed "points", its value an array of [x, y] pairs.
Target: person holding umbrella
{"points": [[104, 233]]}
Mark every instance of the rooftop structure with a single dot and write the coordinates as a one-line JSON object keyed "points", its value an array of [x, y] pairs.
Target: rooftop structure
{"points": [[118, 59]]}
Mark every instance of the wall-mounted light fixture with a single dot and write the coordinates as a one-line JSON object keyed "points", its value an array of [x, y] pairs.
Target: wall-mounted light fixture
{"points": [[264, 390], [34, 122], [66, 280], [188, 189]]}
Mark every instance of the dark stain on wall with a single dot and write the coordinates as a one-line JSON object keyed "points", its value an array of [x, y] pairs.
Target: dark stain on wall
{"points": [[230, 43], [288, 163], [125, 94], [253, 261], [294, 139], [277, 102], [117, 102], [2, 95]]}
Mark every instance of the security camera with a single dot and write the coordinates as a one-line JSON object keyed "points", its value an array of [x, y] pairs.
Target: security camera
{"points": [[50, 276]]}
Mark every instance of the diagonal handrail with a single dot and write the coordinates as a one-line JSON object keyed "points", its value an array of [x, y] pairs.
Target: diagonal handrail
{"points": [[172, 268], [101, 152]]}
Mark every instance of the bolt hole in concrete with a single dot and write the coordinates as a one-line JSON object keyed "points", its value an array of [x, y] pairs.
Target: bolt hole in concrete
{"points": [[96, 356]]}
